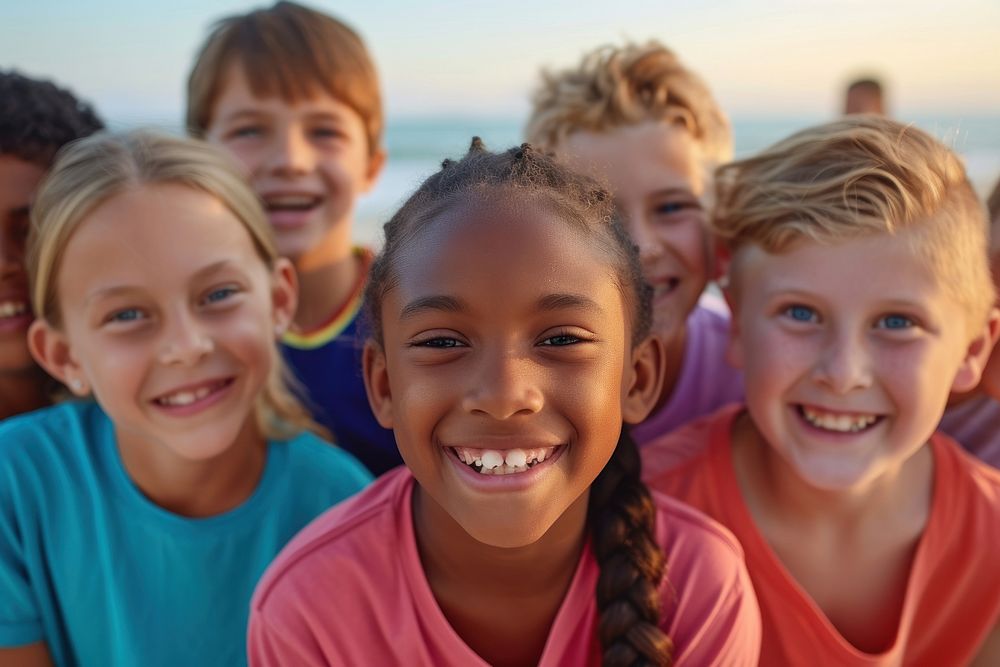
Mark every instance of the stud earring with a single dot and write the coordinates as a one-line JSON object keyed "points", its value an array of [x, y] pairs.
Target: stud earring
{"points": [[76, 384]]}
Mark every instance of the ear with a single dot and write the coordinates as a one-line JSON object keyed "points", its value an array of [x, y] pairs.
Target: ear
{"points": [[375, 164], [50, 348], [284, 295], [977, 354], [723, 258], [376, 376], [649, 366]]}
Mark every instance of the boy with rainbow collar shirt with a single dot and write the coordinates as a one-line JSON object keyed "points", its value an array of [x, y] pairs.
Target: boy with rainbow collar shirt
{"points": [[972, 418], [861, 298], [293, 95], [635, 118]]}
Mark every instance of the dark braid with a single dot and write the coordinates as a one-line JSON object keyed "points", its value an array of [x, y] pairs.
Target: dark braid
{"points": [[622, 516], [622, 519]]}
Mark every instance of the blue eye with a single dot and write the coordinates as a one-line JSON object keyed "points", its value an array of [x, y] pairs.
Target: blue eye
{"points": [[801, 313], [246, 131], [127, 315], [670, 207], [895, 322], [220, 294], [561, 340]]}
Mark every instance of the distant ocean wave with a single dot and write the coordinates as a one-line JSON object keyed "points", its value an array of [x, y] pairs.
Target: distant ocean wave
{"points": [[417, 146]]}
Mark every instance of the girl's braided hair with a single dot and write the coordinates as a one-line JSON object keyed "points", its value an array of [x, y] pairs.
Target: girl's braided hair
{"points": [[621, 515]]}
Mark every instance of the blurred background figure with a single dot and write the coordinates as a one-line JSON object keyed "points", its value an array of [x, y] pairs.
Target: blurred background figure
{"points": [[865, 95]]}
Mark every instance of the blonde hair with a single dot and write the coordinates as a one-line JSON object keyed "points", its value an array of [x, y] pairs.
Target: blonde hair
{"points": [[618, 86], [93, 170], [290, 51], [861, 176]]}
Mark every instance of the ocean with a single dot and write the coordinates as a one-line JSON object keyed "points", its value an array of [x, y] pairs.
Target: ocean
{"points": [[417, 146]]}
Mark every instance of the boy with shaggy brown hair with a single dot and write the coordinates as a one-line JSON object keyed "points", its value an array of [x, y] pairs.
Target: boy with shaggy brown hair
{"points": [[293, 95]]}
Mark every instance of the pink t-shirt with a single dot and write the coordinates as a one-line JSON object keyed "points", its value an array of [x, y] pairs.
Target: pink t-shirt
{"points": [[975, 424], [706, 381], [350, 590]]}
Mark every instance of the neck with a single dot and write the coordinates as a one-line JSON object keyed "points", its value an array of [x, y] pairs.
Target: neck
{"points": [[518, 591], [196, 488], [22, 391], [773, 487], [327, 275]]}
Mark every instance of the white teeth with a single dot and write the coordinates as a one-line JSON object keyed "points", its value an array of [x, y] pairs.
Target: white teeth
{"points": [[492, 459], [840, 423], [291, 201], [502, 462], [182, 398], [13, 308]]}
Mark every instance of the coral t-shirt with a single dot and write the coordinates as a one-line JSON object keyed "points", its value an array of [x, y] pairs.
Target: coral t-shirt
{"points": [[350, 590], [952, 599]]}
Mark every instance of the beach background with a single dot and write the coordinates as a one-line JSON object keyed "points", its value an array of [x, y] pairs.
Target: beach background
{"points": [[451, 69]]}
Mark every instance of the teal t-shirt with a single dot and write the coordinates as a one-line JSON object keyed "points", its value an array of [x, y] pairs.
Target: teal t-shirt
{"points": [[107, 578]]}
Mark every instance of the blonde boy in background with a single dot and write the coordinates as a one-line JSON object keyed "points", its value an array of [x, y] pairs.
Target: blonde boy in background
{"points": [[861, 298], [973, 419], [635, 118], [293, 95]]}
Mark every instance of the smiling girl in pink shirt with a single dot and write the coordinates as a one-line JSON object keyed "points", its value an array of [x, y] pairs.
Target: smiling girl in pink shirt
{"points": [[510, 344]]}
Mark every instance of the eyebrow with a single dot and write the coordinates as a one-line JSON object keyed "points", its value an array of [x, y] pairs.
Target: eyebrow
{"points": [[106, 292], [450, 304]]}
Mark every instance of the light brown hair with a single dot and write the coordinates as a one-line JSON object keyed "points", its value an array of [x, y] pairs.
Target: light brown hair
{"points": [[292, 52], [97, 168], [860, 176], [617, 86]]}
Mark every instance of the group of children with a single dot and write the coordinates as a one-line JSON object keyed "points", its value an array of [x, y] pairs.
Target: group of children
{"points": [[582, 456]]}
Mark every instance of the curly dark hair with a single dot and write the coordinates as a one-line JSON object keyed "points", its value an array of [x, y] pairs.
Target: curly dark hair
{"points": [[621, 512], [37, 118]]}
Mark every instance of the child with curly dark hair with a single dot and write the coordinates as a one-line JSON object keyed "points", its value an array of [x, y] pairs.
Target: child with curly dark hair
{"points": [[36, 119]]}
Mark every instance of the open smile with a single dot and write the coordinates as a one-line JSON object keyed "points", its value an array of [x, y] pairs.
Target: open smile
{"points": [[837, 422], [503, 462], [194, 398]]}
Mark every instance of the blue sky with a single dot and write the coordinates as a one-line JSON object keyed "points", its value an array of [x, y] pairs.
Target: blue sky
{"points": [[463, 58]]}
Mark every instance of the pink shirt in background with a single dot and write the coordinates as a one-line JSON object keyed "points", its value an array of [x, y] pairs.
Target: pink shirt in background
{"points": [[706, 381], [975, 424], [350, 590]]}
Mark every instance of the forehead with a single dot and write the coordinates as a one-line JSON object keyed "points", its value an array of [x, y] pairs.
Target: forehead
{"points": [[236, 95], [153, 235], [493, 260], [18, 181], [877, 267], [646, 156]]}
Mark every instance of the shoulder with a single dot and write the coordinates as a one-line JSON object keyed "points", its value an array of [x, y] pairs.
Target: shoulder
{"points": [[309, 456], [59, 431], [971, 486], [687, 447], [347, 545], [710, 604]]}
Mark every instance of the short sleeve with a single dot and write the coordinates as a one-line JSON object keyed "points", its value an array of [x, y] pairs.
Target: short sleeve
{"points": [[20, 621]]}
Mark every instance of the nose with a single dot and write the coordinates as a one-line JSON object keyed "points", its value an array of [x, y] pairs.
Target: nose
{"points": [[845, 363], [503, 386], [639, 227], [185, 341], [291, 153]]}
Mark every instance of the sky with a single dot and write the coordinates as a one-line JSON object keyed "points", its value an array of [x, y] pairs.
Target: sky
{"points": [[446, 57]]}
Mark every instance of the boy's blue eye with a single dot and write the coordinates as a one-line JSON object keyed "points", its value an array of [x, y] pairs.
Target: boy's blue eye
{"points": [[561, 340], [127, 315], [246, 131], [668, 208], [220, 294], [895, 322], [801, 313]]}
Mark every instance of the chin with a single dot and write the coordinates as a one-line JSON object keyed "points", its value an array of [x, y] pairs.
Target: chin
{"points": [[510, 533]]}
